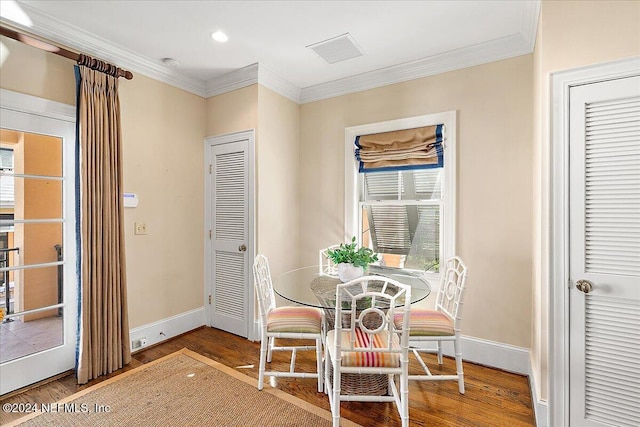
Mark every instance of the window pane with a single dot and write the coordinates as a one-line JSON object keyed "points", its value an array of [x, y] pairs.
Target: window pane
{"points": [[37, 155], [37, 199], [35, 243], [405, 236], [388, 228], [420, 184], [34, 288], [428, 184], [425, 245], [23, 336], [382, 185]]}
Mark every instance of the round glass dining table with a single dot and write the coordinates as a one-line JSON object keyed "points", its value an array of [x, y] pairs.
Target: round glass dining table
{"points": [[306, 286]]}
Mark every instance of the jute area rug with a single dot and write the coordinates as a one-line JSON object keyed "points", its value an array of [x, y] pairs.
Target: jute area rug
{"points": [[181, 389]]}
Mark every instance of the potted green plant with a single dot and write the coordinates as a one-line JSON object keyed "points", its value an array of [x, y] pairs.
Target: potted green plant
{"points": [[350, 260]]}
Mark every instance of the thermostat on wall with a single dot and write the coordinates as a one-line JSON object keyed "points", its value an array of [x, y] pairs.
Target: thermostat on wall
{"points": [[130, 200]]}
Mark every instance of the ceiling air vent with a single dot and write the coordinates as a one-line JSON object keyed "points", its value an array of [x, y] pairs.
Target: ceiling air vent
{"points": [[337, 49]]}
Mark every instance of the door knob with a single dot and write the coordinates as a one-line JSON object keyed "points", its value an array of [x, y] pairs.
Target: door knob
{"points": [[242, 248], [584, 286]]}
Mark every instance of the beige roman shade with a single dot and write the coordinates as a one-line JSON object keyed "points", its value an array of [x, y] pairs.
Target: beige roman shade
{"points": [[417, 148]]}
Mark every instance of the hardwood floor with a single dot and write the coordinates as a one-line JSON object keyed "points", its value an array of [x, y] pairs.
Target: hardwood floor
{"points": [[492, 398]]}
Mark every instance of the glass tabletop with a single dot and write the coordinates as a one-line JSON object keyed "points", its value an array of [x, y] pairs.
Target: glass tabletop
{"points": [[307, 286]]}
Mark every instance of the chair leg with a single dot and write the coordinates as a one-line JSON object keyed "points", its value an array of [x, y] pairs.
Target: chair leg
{"points": [[327, 371], [270, 348], [319, 364], [335, 408], [458, 354], [264, 342], [439, 352], [404, 394]]}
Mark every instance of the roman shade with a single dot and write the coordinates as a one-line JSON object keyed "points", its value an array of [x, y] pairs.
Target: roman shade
{"points": [[417, 148]]}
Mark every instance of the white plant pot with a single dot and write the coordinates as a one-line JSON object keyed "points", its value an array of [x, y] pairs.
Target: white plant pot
{"points": [[348, 272]]}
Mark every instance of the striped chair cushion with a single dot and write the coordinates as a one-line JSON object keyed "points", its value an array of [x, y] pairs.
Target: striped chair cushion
{"points": [[426, 323], [366, 358], [295, 319]]}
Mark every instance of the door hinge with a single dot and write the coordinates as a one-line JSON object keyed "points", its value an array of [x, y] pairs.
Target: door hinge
{"points": [[210, 169], [209, 299], [210, 234]]}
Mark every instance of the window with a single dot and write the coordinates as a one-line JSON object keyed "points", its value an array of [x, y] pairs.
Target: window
{"points": [[400, 217], [406, 216], [7, 198]]}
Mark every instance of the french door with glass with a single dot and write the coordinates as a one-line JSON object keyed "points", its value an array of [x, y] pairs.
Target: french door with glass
{"points": [[38, 289]]}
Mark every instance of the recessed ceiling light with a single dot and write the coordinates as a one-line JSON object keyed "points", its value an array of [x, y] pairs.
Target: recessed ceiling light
{"points": [[219, 36]]}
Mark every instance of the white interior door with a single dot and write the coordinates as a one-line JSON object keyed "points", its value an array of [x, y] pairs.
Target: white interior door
{"points": [[604, 127], [37, 229], [230, 195]]}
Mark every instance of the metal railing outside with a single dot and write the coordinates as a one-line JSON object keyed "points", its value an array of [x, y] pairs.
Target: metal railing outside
{"points": [[4, 279]]}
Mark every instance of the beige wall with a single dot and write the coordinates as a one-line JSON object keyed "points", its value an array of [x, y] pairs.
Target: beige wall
{"points": [[570, 34], [232, 112], [494, 105], [277, 183], [36, 72], [163, 130]]}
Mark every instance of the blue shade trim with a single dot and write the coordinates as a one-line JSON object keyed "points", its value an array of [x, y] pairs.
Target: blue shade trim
{"points": [[78, 219], [439, 152]]}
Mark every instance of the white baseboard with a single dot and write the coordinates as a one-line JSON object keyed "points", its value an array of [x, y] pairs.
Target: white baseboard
{"points": [[539, 406], [167, 328], [501, 356], [490, 353]]}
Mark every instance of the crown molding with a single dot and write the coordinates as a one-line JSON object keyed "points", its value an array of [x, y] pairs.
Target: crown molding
{"points": [[494, 50], [59, 32], [249, 75], [233, 80], [269, 79], [529, 23]]}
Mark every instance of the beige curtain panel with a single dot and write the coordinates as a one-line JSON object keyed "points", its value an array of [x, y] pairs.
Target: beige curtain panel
{"points": [[417, 148], [104, 326]]}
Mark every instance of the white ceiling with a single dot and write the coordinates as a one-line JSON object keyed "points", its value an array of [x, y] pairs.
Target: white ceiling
{"points": [[400, 39]]}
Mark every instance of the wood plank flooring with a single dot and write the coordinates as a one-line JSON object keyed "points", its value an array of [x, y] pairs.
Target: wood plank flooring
{"points": [[492, 398]]}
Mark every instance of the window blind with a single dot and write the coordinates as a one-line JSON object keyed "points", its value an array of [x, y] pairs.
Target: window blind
{"points": [[417, 148]]}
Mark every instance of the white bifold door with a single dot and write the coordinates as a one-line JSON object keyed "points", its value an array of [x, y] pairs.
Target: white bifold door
{"points": [[605, 253], [230, 232]]}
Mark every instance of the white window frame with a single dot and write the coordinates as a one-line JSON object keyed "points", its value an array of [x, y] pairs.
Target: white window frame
{"points": [[352, 180]]}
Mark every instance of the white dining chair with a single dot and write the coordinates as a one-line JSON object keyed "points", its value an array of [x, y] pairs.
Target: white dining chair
{"points": [[441, 324], [326, 266], [370, 342], [291, 322]]}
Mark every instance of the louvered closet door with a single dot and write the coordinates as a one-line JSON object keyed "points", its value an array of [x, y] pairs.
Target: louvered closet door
{"points": [[605, 251], [230, 262]]}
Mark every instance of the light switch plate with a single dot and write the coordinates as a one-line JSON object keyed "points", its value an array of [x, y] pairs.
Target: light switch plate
{"points": [[140, 228]]}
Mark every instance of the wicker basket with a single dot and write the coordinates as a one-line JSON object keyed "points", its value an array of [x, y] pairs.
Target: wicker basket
{"points": [[362, 384]]}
